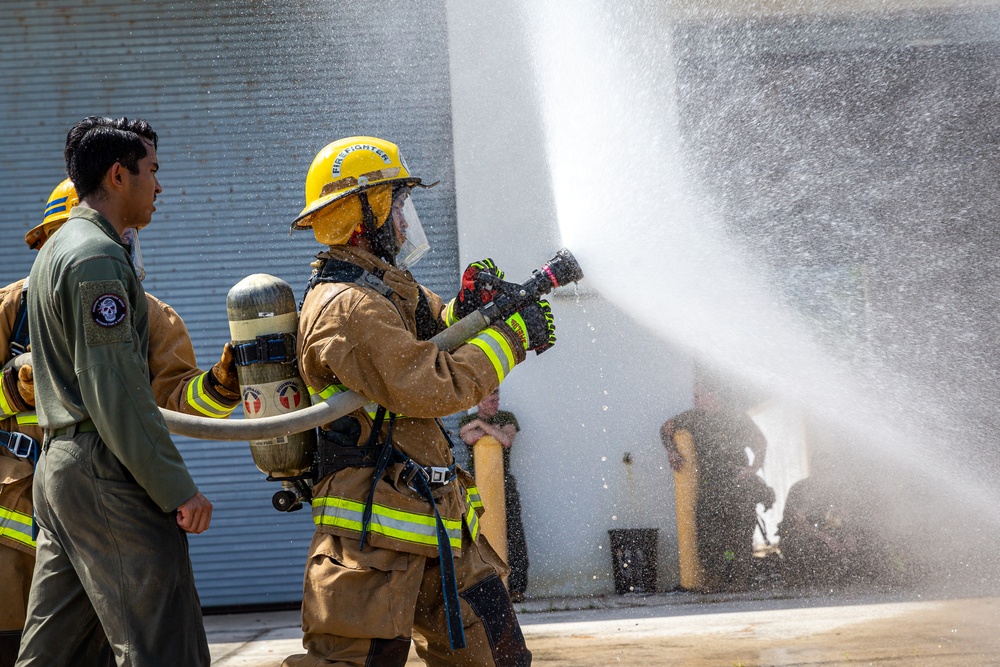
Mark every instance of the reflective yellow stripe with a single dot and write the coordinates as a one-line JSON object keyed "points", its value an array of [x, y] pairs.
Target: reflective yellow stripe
{"points": [[473, 498], [27, 418], [449, 313], [199, 399], [497, 349], [474, 501], [5, 409], [319, 397], [16, 526], [394, 523], [472, 521]]}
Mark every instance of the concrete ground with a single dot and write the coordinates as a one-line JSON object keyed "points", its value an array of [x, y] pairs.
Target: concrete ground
{"points": [[690, 630]]}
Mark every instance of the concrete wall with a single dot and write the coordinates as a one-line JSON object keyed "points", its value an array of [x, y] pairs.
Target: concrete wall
{"points": [[608, 384]]}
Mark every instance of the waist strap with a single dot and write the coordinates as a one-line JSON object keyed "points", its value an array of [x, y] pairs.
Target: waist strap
{"points": [[86, 426]]}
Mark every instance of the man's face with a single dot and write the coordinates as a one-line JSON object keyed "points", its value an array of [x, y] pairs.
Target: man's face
{"points": [[399, 220], [143, 188], [489, 405]]}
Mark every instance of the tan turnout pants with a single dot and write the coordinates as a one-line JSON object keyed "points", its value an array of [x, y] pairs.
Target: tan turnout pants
{"points": [[361, 608]]}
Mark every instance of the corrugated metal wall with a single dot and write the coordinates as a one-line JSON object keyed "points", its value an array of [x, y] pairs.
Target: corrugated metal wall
{"points": [[242, 94]]}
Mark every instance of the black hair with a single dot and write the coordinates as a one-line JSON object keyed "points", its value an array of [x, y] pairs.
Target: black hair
{"points": [[96, 143]]}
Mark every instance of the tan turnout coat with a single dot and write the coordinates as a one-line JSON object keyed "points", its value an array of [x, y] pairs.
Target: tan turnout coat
{"points": [[352, 336]]}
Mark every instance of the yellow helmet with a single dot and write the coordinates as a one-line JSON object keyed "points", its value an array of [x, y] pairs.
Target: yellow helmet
{"points": [[342, 170], [62, 199]]}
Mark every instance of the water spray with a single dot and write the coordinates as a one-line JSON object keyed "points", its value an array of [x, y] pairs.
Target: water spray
{"points": [[559, 271]]}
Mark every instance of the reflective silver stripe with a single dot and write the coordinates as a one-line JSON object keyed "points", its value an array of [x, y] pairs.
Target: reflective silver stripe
{"points": [[16, 526], [394, 523], [497, 349], [199, 399]]}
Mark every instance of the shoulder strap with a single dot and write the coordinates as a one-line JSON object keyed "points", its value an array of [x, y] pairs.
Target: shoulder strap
{"points": [[339, 271], [19, 340]]}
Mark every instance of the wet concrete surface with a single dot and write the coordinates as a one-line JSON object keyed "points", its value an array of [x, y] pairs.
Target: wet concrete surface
{"points": [[689, 630]]}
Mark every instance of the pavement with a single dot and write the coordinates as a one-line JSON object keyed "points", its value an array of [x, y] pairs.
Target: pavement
{"points": [[680, 628]]}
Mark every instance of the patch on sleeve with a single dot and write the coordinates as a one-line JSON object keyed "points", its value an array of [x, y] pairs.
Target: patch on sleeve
{"points": [[105, 312]]}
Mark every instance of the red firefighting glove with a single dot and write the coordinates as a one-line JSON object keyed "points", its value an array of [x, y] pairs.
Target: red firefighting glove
{"points": [[19, 383], [474, 292], [534, 326], [223, 375]]}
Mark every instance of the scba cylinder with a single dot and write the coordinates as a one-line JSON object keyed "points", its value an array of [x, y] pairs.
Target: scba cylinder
{"points": [[263, 321]]}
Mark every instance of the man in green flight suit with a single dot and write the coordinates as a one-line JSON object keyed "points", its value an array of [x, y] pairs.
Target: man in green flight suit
{"points": [[113, 498]]}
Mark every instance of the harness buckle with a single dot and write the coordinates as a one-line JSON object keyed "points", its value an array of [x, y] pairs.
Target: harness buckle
{"points": [[433, 475], [21, 445], [438, 475]]}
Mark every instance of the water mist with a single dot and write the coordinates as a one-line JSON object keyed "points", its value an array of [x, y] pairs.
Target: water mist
{"points": [[652, 242]]}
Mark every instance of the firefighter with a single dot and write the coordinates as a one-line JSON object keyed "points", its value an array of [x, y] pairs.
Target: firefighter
{"points": [[176, 382], [397, 554]]}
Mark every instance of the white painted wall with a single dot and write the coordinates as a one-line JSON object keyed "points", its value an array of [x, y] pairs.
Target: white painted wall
{"points": [[608, 384]]}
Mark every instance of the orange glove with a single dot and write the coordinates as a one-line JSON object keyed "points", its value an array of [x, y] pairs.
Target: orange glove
{"points": [[26, 383], [19, 383], [223, 374]]}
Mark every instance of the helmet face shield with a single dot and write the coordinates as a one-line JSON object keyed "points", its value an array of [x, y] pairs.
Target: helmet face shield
{"points": [[130, 237], [410, 236]]}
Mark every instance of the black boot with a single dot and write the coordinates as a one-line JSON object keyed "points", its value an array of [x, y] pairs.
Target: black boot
{"points": [[10, 641]]}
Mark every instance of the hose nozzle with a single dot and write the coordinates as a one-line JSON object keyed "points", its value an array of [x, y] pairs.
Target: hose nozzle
{"points": [[557, 272], [562, 269]]}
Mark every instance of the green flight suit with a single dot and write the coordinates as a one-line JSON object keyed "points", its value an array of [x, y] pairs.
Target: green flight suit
{"points": [[109, 549]]}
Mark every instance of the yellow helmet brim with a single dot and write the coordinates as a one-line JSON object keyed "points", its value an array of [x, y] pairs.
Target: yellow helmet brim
{"points": [[301, 221]]}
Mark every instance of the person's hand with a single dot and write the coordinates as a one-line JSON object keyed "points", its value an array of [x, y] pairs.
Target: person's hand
{"points": [[474, 292], [19, 383], [472, 432], [26, 383], [195, 514], [535, 326], [223, 373], [675, 458]]}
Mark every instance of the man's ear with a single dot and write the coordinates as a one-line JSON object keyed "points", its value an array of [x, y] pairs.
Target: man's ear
{"points": [[115, 179]]}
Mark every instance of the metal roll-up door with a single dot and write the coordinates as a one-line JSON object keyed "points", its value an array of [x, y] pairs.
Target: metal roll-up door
{"points": [[242, 96]]}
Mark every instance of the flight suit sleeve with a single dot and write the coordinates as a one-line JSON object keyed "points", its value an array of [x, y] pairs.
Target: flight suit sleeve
{"points": [[178, 383], [371, 352], [98, 298]]}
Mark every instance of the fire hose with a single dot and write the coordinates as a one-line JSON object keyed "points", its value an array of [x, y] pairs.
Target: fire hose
{"points": [[510, 297]]}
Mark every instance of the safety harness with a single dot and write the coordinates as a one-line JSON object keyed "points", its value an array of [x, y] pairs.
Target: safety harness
{"points": [[19, 444], [337, 452]]}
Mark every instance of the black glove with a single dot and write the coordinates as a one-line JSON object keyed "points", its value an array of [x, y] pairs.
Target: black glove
{"points": [[474, 292], [534, 326]]}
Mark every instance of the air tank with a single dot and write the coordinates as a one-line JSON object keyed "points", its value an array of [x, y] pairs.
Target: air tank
{"points": [[263, 321]]}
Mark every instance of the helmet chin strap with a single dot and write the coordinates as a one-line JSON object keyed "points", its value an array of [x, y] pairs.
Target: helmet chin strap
{"points": [[382, 239]]}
